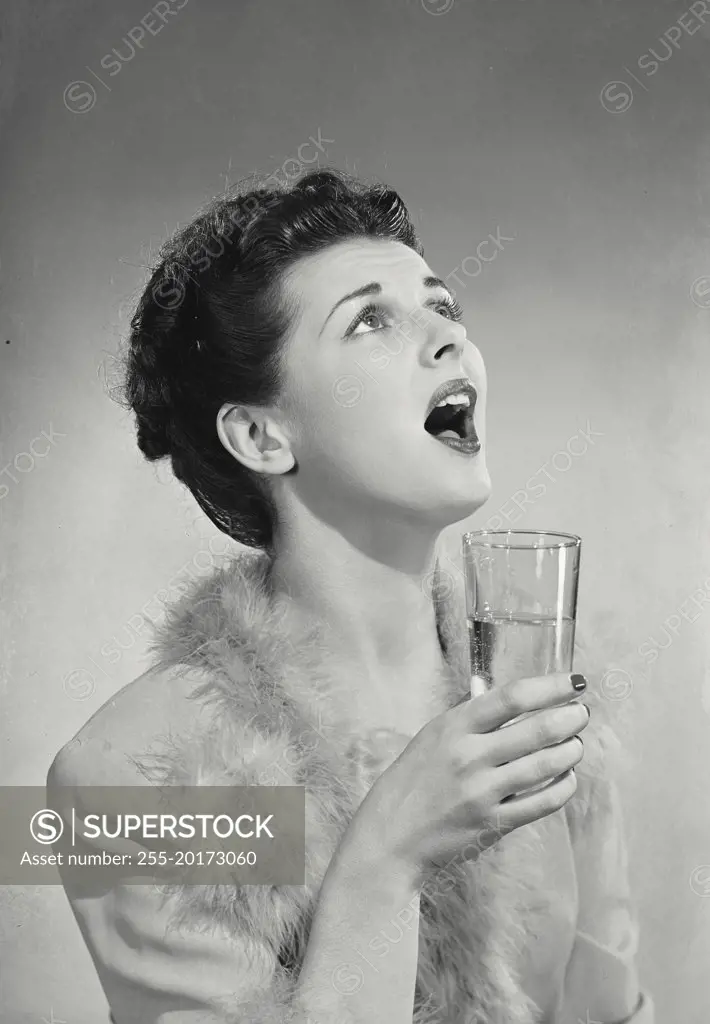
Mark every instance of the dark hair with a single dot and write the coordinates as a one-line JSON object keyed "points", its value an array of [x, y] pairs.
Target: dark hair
{"points": [[209, 325]]}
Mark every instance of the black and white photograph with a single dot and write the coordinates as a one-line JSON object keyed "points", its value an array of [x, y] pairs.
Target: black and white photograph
{"points": [[355, 512]]}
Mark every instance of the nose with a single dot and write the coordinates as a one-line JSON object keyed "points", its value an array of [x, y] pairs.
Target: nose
{"points": [[443, 339]]}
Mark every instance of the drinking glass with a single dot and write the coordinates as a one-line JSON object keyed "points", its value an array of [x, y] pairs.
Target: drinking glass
{"points": [[521, 602]]}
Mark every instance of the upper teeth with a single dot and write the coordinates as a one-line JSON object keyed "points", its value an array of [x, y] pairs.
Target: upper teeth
{"points": [[460, 399]]}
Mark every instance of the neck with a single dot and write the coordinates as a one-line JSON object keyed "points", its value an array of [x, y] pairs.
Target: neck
{"points": [[372, 587]]}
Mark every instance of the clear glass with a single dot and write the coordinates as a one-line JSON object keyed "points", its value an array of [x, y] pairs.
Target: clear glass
{"points": [[521, 602]]}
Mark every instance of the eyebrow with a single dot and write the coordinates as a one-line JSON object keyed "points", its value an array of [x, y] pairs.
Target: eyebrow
{"points": [[375, 288]]}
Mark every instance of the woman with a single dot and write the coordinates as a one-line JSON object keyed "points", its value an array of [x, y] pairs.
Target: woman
{"points": [[314, 386]]}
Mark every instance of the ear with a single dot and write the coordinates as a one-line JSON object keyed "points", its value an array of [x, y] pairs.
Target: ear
{"points": [[254, 437]]}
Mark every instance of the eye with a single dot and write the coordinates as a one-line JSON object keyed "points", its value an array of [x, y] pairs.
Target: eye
{"points": [[447, 306], [452, 307], [371, 311]]}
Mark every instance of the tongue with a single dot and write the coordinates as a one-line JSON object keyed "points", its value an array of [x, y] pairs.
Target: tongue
{"points": [[448, 433]]}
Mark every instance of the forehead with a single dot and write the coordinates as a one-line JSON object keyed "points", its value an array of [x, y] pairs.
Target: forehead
{"points": [[323, 277]]}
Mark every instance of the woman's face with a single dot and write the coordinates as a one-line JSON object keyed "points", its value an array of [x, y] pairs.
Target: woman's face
{"points": [[361, 372]]}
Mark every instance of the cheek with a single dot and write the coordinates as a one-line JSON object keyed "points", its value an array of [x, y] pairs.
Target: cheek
{"points": [[341, 400], [331, 415], [310, 396]]}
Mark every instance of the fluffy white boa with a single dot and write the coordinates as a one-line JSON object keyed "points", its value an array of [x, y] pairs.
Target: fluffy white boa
{"points": [[263, 670]]}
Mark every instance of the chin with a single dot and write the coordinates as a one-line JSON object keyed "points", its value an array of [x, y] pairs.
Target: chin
{"points": [[469, 503], [465, 492]]}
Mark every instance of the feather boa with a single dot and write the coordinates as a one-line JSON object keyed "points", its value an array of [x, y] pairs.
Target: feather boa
{"points": [[262, 668]]}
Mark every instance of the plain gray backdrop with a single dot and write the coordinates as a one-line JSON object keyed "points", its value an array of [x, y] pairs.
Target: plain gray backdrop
{"points": [[568, 130]]}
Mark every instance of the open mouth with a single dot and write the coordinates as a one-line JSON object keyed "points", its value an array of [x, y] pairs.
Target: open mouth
{"points": [[450, 415]]}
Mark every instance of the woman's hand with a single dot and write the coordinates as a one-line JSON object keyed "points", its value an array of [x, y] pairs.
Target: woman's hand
{"points": [[463, 774]]}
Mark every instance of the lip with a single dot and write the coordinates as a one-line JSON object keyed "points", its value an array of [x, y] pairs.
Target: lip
{"points": [[455, 386], [471, 446]]}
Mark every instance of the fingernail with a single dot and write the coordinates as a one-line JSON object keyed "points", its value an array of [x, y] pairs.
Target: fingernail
{"points": [[589, 710], [478, 686], [578, 681]]}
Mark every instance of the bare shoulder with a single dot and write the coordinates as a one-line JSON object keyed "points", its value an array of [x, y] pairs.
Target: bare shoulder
{"points": [[160, 703]]}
